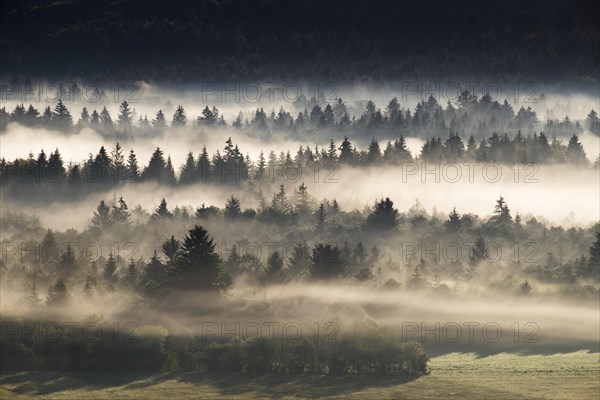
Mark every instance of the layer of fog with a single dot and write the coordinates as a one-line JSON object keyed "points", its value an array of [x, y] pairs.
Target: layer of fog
{"points": [[19, 141], [563, 195], [559, 194], [305, 305]]}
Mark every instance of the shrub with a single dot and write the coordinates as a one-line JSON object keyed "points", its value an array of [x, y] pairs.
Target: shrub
{"points": [[227, 357]]}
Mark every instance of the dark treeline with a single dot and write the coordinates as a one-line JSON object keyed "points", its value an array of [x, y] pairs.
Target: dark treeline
{"points": [[366, 350], [230, 167], [316, 117], [370, 40]]}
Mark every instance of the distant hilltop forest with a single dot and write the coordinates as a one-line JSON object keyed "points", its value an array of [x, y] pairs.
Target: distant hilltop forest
{"points": [[374, 41]]}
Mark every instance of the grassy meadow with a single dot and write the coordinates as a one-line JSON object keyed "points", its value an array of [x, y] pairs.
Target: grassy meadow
{"points": [[574, 375]]}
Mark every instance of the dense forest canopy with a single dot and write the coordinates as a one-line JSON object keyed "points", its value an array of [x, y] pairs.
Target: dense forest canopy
{"points": [[186, 42]]}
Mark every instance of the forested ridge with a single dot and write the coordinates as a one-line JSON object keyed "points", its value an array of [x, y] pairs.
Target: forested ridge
{"points": [[240, 41]]}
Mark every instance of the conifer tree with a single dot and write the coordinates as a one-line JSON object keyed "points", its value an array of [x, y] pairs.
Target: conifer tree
{"points": [[133, 172], [274, 273], [32, 299], [170, 249], [162, 212], [57, 294], [320, 216], [101, 220], [109, 274], [179, 118], [125, 116], [232, 208]]}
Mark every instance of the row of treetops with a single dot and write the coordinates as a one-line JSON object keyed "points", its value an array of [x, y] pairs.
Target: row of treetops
{"points": [[469, 113]]}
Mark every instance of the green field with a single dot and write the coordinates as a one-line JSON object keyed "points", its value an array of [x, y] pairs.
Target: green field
{"points": [[462, 376]]}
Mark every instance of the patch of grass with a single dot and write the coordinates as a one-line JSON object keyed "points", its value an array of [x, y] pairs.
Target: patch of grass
{"points": [[570, 376]]}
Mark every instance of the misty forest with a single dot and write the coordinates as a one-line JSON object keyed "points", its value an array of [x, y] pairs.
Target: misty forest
{"points": [[366, 234], [271, 230]]}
